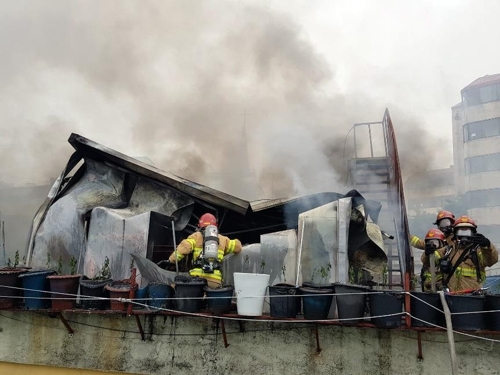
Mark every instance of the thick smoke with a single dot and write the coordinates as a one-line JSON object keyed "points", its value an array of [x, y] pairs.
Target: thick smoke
{"points": [[170, 80]]}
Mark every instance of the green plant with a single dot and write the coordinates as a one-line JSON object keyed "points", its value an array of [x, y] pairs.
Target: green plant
{"points": [[246, 262], [59, 265], [72, 265], [283, 272], [385, 275], [262, 265], [9, 263], [105, 272], [355, 275], [16, 259], [322, 271], [47, 262], [132, 262]]}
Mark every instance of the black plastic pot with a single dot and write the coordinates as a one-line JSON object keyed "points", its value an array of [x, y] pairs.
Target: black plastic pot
{"points": [[189, 293], [461, 304], [219, 299], [419, 306], [9, 277], [284, 301], [161, 295], [492, 302], [94, 288], [386, 302], [316, 303], [351, 302]]}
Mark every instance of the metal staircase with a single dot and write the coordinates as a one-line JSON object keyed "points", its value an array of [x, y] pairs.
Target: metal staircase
{"points": [[377, 176]]}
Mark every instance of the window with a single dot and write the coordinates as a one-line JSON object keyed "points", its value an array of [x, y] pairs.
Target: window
{"points": [[479, 95], [483, 163], [483, 198], [482, 129]]}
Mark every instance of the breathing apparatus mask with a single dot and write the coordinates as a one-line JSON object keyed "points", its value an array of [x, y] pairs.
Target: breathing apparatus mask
{"points": [[208, 260], [464, 236], [434, 243], [445, 226]]}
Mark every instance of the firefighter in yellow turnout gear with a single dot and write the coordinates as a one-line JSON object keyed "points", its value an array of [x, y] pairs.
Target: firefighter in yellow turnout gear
{"points": [[434, 239], [444, 222], [463, 263], [195, 243]]}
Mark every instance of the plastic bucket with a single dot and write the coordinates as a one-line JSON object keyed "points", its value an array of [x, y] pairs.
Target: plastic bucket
{"points": [[160, 294], [316, 302], [250, 289], [189, 293], [351, 302], [462, 304], [36, 286], [9, 277], [386, 303], [420, 309], [219, 299], [67, 285], [284, 301], [333, 308], [94, 288], [492, 302]]}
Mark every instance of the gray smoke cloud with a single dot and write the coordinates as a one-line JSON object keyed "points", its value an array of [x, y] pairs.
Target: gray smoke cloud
{"points": [[170, 80]]}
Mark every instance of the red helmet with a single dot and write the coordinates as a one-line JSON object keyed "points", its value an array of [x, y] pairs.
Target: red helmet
{"points": [[465, 221], [435, 233], [207, 219], [443, 214]]}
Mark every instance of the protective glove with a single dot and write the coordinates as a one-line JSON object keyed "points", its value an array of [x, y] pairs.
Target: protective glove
{"points": [[429, 249], [481, 240]]}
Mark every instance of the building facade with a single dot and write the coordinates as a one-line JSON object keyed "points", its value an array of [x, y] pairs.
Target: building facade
{"points": [[476, 152]]}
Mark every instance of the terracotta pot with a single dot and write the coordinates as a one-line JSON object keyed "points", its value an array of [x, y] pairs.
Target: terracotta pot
{"points": [[118, 289], [64, 284]]}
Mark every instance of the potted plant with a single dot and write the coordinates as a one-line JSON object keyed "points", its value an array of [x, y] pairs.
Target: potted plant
{"points": [[36, 287], [10, 291], [424, 307], [317, 295], [386, 302], [92, 292], [64, 285], [118, 290], [250, 289], [351, 298]]}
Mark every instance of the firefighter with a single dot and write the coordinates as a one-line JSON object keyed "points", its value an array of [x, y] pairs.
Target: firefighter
{"points": [[463, 263], [434, 239], [209, 248], [444, 222]]}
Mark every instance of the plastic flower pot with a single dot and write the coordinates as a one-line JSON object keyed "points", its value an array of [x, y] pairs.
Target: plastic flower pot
{"points": [[492, 303], [36, 288], [351, 302], [386, 302], [316, 302], [140, 297], [161, 295], [464, 304], [117, 290], [333, 308], [189, 293], [9, 278], [65, 285], [284, 300], [424, 307], [219, 299], [93, 296], [250, 290]]}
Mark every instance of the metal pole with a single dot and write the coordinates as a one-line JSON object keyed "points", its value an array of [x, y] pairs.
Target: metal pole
{"points": [[300, 253], [370, 135], [449, 330], [175, 249]]}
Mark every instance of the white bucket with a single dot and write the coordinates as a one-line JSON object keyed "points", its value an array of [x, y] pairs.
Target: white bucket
{"points": [[250, 290]]}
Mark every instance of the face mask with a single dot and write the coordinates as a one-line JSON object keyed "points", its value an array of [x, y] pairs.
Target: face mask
{"points": [[464, 236], [445, 226], [436, 244]]}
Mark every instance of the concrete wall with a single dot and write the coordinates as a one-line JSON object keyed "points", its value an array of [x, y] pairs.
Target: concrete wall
{"points": [[187, 345]]}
